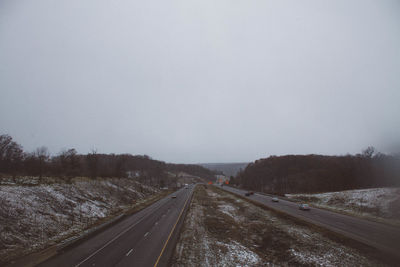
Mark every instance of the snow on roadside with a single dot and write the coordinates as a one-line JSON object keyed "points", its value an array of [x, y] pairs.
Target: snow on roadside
{"points": [[227, 209], [35, 216], [198, 248], [237, 254], [377, 202], [221, 231]]}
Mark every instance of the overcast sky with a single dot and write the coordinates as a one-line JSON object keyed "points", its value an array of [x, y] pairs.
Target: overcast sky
{"points": [[201, 80]]}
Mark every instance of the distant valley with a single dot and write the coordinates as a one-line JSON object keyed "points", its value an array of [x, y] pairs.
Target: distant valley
{"points": [[229, 169]]}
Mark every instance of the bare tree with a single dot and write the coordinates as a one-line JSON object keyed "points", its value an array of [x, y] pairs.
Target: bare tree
{"points": [[11, 155], [69, 163], [92, 163], [42, 156], [368, 152]]}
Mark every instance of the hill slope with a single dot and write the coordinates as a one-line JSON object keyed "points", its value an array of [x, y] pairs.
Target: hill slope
{"points": [[318, 173]]}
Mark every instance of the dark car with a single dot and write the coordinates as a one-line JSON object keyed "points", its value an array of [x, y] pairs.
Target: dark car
{"points": [[247, 194]]}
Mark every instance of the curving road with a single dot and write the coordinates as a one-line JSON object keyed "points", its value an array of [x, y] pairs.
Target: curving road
{"points": [[138, 240], [381, 236]]}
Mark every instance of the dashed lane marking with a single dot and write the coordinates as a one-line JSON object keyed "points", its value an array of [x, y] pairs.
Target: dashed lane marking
{"points": [[129, 252]]}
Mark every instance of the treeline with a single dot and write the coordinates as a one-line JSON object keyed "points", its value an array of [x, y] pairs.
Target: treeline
{"points": [[68, 163], [316, 173]]}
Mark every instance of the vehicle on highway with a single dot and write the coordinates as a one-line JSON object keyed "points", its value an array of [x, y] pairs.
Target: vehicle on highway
{"points": [[247, 194], [304, 207], [275, 199], [173, 196], [251, 193]]}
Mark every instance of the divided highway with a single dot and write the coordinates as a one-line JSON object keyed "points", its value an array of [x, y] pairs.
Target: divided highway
{"points": [[138, 240], [381, 236]]}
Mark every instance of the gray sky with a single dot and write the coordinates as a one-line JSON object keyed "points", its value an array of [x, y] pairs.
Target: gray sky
{"points": [[201, 80]]}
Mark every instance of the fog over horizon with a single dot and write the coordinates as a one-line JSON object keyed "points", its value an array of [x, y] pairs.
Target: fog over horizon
{"points": [[201, 81]]}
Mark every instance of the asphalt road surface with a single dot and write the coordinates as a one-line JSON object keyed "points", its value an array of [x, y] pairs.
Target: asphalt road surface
{"points": [[381, 236], [138, 240]]}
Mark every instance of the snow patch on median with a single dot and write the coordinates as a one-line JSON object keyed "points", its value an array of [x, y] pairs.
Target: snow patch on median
{"points": [[227, 209], [237, 254]]}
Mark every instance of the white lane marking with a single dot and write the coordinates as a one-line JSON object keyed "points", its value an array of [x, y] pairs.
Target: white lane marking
{"points": [[173, 229], [129, 252], [146, 234], [117, 236]]}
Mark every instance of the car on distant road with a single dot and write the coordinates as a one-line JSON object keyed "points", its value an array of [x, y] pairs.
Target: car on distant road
{"points": [[304, 207], [251, 193], [173, 196], [275, 199], [247, 194]]}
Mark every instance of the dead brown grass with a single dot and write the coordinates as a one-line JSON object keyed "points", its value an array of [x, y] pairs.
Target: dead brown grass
{"points": [[367, 251], [275, 238]]}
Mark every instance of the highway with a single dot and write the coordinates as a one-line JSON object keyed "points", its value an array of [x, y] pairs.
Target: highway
{"points": [[381, 236], [138, 240]]}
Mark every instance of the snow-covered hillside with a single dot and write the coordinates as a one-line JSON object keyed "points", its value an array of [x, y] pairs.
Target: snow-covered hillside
{"points": [[34, 216], [374, 202]]}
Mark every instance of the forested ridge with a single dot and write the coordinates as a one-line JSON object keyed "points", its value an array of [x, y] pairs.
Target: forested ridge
{"points": [[318, 173], [14, 161]]}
